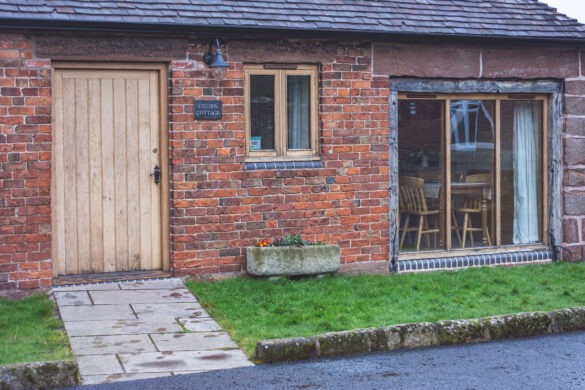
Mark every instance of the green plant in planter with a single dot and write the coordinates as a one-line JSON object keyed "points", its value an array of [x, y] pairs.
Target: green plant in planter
{"points": [[293, 240]]}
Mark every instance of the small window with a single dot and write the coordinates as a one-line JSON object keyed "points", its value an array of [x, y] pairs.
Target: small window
{"points": [[281, 112]]}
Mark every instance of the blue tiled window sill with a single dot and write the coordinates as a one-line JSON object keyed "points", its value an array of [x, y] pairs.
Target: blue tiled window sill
{"points": [[474, 260], [254, 166]]}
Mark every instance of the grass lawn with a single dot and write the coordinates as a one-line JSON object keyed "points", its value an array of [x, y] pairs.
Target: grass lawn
{"points": [[29, 331], [254, 309]]}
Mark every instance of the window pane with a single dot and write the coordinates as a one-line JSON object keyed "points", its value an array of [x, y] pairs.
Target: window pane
{"points": [[297, 104], [520, 163], [421, 182], [472, 173], [262, 112]]}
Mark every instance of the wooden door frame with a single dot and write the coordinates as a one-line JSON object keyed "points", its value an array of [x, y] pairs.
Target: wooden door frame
{"points": [[161, 68]]}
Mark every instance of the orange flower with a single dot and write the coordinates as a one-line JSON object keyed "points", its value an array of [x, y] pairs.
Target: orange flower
{"points": [[260, 243]]}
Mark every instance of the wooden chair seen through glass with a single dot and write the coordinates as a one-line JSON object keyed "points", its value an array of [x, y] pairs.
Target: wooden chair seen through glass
{"points": [[421, 177], [473, 134], [298, 111]]}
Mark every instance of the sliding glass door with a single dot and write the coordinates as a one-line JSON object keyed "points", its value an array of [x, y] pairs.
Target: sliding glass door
{"points": [[470, 171]]}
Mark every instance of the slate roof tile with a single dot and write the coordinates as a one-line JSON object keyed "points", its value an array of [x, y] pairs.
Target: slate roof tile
{"points": [[493, 18]]}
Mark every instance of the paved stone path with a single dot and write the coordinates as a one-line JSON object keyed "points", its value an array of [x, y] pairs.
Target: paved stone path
{"points": [[144, 329]]}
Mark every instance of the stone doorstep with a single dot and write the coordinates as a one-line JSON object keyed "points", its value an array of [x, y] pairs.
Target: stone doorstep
{"points": [[418, 335], [87, 287], [146, 284]]}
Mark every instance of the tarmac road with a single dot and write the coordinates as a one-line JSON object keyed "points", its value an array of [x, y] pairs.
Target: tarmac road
{"points": [[549, 362]]}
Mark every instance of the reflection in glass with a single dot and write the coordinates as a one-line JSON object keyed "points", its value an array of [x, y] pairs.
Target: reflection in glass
{"points": [[472, 172], [297, 104], [520, 161], [262, 112], [420, 140]]}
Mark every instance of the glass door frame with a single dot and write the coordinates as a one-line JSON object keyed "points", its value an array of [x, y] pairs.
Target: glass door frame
{"points": [[446, 163]]}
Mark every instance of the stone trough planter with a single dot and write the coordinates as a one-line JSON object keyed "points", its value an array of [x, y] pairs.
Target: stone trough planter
{"points": [[292, 260]]}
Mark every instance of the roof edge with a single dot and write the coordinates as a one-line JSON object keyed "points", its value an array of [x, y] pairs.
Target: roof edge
{"points": [[253, 31]]}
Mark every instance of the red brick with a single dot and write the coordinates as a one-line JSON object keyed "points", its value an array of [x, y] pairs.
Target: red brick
{"points": [[26, 284], [9, 53]]}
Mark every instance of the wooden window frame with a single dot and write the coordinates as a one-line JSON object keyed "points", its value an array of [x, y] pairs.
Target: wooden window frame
{"points": [[281, 151], [446, 140]]}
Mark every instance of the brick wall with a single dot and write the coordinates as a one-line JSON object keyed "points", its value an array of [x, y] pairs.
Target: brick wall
{"points": [[25, 158], [574, 169], [218, 206]]}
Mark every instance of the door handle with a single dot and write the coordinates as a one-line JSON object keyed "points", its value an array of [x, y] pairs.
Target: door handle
{"points": [[156, 174]]}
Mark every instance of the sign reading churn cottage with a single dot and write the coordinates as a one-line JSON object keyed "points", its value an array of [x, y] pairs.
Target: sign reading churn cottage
{"points": [[207, 109]]}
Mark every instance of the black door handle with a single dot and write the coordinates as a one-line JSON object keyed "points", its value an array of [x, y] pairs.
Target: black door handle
{"points": [[156, 174]]}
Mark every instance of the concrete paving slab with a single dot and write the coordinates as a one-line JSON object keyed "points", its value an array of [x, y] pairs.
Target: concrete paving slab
{"points": [[184, 361], [72, 298], [97, 312], [99, 364], [109, 345], [172, 283], [99, 379], [169, 310], [142, 296], [113, 327], [193, 341], [88, 287], [200, 325]]}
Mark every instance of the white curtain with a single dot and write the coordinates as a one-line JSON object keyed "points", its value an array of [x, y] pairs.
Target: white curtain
{"points": [[298, 112], [525, 172]]}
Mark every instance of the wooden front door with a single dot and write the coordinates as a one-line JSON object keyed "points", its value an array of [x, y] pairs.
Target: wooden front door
{"points": [[106, 143]]}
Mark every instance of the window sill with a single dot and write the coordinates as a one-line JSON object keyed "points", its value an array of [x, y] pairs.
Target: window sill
{"points": [[275, 159], [458, 252], [287, 164], [534, 256]]}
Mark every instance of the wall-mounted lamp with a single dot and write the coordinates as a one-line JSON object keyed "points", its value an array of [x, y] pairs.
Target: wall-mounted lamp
{"points": [[214, 60]]}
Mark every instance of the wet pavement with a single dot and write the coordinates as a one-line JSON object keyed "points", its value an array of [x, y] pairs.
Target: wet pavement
{"points": [[144, 329]]}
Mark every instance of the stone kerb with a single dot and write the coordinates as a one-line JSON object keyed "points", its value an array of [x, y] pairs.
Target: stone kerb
{"points": [[39, 375], [418, 335]]}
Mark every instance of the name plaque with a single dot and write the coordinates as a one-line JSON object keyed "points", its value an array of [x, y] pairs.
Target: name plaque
{"points": [[207, 109]]}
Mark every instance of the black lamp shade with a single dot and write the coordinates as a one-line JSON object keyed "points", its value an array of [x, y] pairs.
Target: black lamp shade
{"points": [[214, 60]]}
